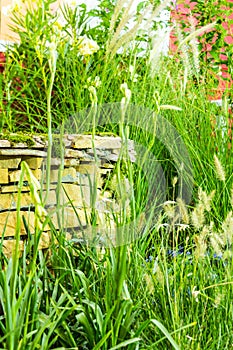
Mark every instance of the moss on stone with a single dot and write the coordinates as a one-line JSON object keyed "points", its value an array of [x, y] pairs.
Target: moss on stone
{"points": [[18, 138]]}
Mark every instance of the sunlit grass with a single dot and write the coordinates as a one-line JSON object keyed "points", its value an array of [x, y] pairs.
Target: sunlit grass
{"points": [[170, 288]]}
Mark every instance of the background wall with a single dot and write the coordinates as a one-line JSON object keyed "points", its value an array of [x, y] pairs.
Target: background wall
{"points": [[7, 35]]}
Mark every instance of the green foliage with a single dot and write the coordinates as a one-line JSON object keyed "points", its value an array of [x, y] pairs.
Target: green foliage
{"points": [[170, 288]]}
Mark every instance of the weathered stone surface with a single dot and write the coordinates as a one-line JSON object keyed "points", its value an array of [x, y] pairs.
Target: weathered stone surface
{"points": [[25, 188], [112, 157], [70, 175], [37, 173], [68, 217], [115, 151], [8, 223], [80, 154], [14, 176], [3, 176], [45, 240], [4, 143], [33, 162], [22, 152], [19, 145], [78, 195], [51, 198], [9, 162], [11, 188], [105, 171], [71, 162], [39, 142], [66, 173], [9, 200], [56, 162], [108, 166], [88, 168], [82, 177], [85, 141], [92, 172], [101, 153], [66, 141], [9, 246]]}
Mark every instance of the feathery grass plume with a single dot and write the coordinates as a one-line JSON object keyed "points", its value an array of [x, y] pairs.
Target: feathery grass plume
{"points": [[184, 51], [149, 283], [155, 56], [190, 63], [169, 209], [116, 38], [196, 33], [174, 181], [117, 10], [201, 243], [183, 210], [220, 172], [174, 108], [206, 199], [194, 46], [217, 243], [198, 216], [218, 299], [227, 227], [158, 272], [195, 293]]}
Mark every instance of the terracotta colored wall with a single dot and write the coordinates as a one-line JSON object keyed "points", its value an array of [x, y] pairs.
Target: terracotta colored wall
{"points": [[181, 13]]}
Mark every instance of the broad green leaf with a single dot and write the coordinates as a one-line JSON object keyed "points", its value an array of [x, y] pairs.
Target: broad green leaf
{"points": [[166, 333]]}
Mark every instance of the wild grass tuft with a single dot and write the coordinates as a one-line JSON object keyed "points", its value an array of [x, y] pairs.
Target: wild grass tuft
{"points": [[171, 288]]}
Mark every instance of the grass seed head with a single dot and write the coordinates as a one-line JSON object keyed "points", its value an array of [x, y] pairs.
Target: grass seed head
{"points": [[219, 169], [198, 216]]}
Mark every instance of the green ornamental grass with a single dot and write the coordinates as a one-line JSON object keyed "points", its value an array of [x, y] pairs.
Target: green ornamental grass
{"points": [[172, 287]]}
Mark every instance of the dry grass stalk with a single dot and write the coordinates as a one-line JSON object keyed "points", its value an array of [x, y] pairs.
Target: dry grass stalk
{"points": [[220, 172], [198, 216], [184, 54], [227, 228], [118, 40], [206, 199], [196, 33], [194, 47], [201, 243], [217, 243], [183, 210]]}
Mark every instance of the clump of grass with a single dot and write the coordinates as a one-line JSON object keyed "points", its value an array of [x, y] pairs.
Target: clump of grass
{"points": [[170, 288]]}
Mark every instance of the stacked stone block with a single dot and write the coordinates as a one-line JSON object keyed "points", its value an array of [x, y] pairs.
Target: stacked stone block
{"points": [[83, 176]]}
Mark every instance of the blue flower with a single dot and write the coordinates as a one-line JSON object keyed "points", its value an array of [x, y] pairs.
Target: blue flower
{"points": [[150, 258]]}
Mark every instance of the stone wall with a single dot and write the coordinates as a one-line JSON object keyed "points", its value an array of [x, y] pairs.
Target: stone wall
{"points": [[84, 176]]}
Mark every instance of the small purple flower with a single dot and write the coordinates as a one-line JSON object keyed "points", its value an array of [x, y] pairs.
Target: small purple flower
{"points": [[217, 256]]}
